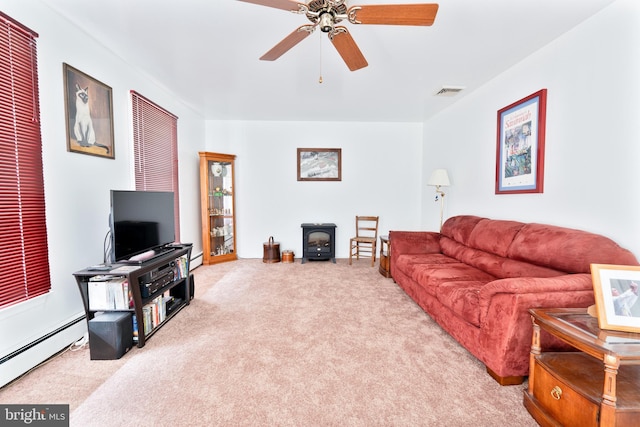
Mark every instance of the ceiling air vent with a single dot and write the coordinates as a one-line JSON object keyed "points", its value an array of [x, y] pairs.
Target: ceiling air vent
{"points": [[449, 90]]}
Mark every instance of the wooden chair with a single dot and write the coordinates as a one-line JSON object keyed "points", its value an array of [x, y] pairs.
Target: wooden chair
{"points": [[365, 239]]}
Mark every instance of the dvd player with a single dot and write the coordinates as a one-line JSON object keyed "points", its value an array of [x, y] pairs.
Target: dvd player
{"points": [[158, 273], [159, 280], [148, 289]]}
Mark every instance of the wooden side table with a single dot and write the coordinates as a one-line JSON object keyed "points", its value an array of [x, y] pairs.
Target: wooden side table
{"points": [[385, 256], [597, 385]]}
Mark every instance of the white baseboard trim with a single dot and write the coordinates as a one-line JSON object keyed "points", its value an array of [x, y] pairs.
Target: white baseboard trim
{"points": [[30, 356]]}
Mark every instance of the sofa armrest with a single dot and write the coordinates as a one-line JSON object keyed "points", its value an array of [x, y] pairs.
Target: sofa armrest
{"points": [[557, 291], [525, 285], [413, 242], [505, 337]]}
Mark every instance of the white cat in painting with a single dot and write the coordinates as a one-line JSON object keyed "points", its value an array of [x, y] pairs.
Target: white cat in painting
{"points": [[83, 128]]}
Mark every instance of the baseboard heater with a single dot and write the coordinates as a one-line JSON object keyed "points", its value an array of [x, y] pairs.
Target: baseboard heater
{"points": [[50, 334], [41, 339], [198, 255]]}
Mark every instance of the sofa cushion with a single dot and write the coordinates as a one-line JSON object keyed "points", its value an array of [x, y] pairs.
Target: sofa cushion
{"points": [[459, 228], [408, 263], [494, 236], [431, 276], [493, 264], [566, 249], [462, 298]]}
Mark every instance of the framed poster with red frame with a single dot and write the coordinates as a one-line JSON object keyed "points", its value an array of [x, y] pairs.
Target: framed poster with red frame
{"points": [[520, 145]]}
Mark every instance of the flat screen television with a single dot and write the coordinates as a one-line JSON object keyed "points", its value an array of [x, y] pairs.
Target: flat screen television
{"points": [[140, 221]]}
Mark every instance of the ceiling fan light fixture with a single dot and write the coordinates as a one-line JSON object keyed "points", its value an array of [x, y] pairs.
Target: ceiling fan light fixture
{"points": [[326, 22], [328, 14]]}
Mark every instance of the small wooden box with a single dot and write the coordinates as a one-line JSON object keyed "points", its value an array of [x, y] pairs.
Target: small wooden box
{"points": [[287, 257]]}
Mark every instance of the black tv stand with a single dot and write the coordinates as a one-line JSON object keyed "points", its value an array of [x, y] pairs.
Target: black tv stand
{"points": [[163, 279]]}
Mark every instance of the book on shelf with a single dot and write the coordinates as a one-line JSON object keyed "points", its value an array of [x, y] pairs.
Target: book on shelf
{"points": [[135, 329], [155, 312], [181, 267], [109, 293]]}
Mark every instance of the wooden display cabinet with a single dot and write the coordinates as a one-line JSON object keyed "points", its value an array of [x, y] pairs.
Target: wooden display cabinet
{"points": [[597, 385], [217, 203]]}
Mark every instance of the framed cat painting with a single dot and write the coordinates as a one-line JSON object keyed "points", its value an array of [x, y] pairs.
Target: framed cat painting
{"points": [[88, 113]]}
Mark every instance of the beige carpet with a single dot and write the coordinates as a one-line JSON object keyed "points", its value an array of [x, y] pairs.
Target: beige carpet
{"points": [[284, 345]]}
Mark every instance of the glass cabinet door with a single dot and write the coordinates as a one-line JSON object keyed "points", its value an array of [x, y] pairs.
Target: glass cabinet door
{"points": [[218, 222]]}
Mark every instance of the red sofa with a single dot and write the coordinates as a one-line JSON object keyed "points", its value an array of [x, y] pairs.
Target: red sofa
{"points": [[478, 278]]}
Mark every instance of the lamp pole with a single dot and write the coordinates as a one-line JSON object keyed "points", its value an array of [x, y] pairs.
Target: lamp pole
{"points": [[439, 178], [440, 193]]}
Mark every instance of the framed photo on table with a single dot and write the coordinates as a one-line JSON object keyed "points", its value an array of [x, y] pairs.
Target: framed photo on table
{"points": [[616, 289], [88, 114], [319, 164], [520, 145]]}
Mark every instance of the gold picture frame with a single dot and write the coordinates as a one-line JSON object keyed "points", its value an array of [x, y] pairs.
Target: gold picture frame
{"points": [[616, 289], [88, 114]]}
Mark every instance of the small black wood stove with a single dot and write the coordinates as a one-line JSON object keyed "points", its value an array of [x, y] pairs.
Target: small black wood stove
{"points": [[318, 241]]}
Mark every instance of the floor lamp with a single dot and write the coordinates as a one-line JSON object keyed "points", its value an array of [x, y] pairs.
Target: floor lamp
{"points": [[439, 178]]}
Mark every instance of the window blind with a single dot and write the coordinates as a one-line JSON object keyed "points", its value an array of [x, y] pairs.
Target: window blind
{"points": [[23, 236], [155, 142]]}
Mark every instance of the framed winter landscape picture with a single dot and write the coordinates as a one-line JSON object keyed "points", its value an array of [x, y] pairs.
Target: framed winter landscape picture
{"points": [[319, 164], [520, 145], [88, 114]]}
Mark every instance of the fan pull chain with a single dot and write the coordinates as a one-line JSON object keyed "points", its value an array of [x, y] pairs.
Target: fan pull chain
{"points": [[320, 79]]}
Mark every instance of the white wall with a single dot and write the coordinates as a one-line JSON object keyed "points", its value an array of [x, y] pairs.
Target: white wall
{"points": [[381, 175], [592, 150], [77, 186]]}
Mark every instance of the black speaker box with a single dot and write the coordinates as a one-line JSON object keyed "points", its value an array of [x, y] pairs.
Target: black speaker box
{"points": [[192, 286], [110, 335]]}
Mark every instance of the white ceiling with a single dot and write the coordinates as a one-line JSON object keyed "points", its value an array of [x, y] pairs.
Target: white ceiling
{"points": [[207, 51]]}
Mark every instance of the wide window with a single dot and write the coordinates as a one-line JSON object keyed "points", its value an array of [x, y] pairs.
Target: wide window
{"points": [[155, 139], [23, 231]]}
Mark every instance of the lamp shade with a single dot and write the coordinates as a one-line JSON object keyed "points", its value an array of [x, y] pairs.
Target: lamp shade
{"points": [[439, 178]]}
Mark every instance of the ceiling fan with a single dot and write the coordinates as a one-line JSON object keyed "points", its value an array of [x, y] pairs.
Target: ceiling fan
{"points": [[325, 14]]}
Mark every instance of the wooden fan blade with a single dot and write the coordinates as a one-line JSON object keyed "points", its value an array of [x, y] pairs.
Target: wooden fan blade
{"points": [[348, 49], [394, 14], [289, 5], [288, 42]]}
